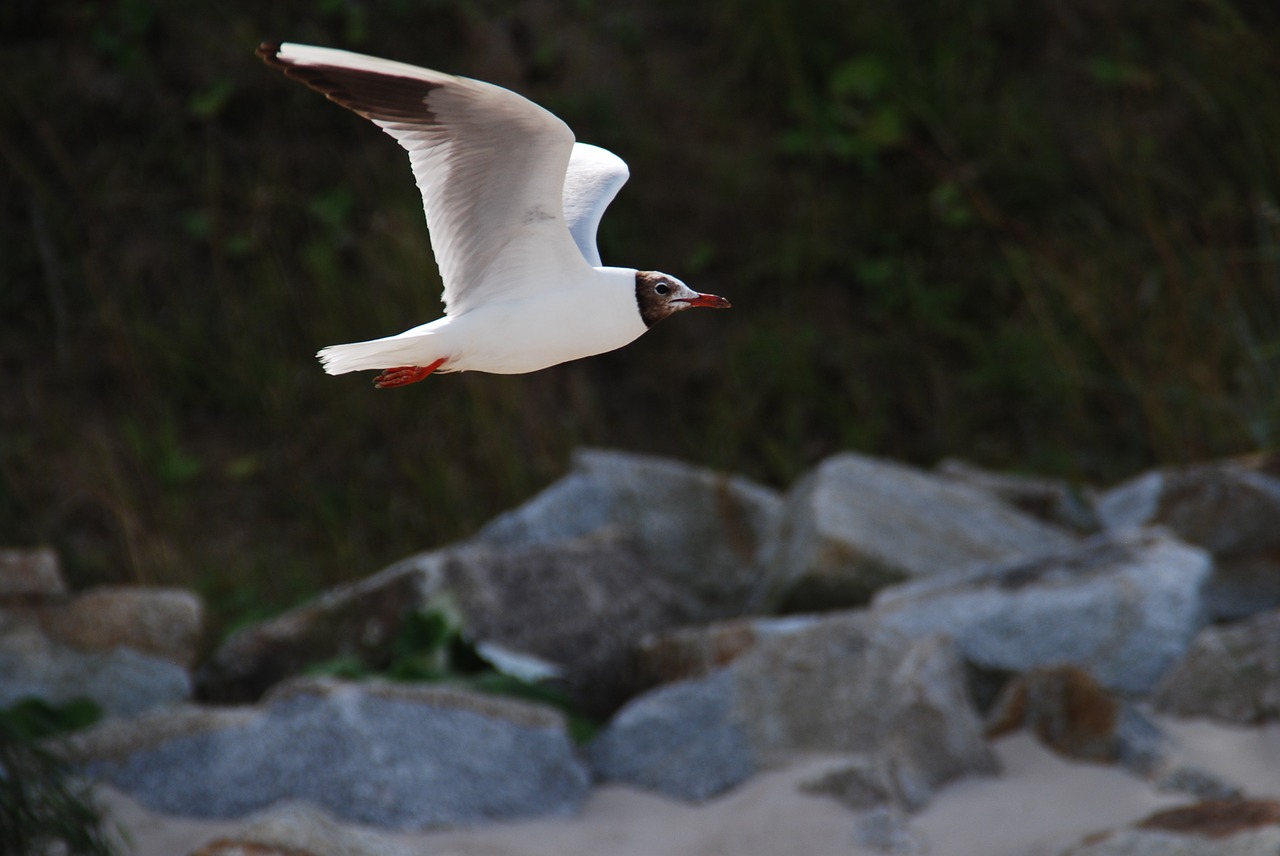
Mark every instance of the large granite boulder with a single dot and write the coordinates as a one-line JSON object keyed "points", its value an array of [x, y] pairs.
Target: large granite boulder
{"points": [[1231, 673], [856, 524], [844, 685], [390, 755], [578, 605], [1123, 608], [707, 533], [1228, 507]]}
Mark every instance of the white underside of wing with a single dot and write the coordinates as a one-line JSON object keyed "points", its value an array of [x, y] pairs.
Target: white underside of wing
{"points": [[594, 177]]}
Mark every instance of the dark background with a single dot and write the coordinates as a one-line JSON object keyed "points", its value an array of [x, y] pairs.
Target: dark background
{"points": [[1041, 236]]}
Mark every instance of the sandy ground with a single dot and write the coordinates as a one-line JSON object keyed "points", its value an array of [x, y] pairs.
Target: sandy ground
{"points": [[1039, 805]]}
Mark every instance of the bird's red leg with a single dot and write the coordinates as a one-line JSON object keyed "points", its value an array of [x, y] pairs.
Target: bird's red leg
{"points": [[405, 375]]}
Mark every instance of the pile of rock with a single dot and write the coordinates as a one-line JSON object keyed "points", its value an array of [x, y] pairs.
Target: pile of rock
{"points": [[896, 617], [128, 649]]}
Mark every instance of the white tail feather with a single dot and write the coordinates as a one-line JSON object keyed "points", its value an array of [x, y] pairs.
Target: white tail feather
{"points": [[376, 354]]}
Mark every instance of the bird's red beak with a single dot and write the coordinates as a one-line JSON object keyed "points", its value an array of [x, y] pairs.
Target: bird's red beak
{"points": [[709, 301]]}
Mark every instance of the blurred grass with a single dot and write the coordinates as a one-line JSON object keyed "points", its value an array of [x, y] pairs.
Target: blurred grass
{"points": [[1041, 236]]}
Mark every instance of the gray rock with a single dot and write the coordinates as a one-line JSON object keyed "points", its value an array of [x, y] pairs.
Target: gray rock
{"points": [[159, 622], [1228, 507], [698, 650], [855, 525], [1052, 500], [842, 685], [397, 756], [120, 681], [579, 605], [1230, 673], [1124, 608], [683, 739], [30, 572], [707, 533], [1076, 717], [1211, 828]]}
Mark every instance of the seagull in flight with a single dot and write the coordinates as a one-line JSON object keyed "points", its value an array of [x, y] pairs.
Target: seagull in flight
{"points": [[512, 204]]}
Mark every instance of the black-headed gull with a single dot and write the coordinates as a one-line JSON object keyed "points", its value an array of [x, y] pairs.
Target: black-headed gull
{"points": [[512, 206]]}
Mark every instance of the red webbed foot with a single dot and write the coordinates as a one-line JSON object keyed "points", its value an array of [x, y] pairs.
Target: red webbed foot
{"points": [[405, 375]]}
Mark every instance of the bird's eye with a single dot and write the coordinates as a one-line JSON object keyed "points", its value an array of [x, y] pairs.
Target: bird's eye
{"points": [[661, 288]]}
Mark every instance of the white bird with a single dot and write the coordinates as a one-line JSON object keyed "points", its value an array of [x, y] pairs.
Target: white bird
{"points": [[512, 205]]}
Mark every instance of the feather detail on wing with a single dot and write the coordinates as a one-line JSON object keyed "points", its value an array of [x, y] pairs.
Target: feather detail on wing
{"points": [[490, 164]]}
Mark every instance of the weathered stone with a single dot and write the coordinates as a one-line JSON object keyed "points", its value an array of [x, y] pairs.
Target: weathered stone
{"points": [[842, 685], [158, 622], [1124, 608], [30, 572], [1076, 717], [683, 740], [698, 650], [580, 605], [855, 525], [1230, 673], [1211, 828], [392, 755], [1228, 507], [707, 533], [120, 681], [1051, 500]]}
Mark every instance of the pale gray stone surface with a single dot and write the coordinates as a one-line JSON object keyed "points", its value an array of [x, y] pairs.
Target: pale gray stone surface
{"points": [[395, 756], [843, 685], [1124, 608], [1229, 507], [706, 532], [683, 740], [856, 524], [120, 681], [1231, 673]]}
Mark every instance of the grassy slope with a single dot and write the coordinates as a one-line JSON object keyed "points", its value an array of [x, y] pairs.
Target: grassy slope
{"points": [[1043, 236]]}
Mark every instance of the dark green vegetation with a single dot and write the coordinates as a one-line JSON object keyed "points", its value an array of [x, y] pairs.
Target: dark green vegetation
{"points": [[431, 647], [42, 810], [1043, 236]]}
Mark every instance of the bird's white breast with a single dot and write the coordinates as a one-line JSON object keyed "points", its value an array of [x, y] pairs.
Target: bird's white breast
{"points": [[578, 318]]}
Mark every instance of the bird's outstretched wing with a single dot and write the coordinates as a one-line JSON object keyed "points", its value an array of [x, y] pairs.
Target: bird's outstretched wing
{"points": [[593, 179], [490, 164]]}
